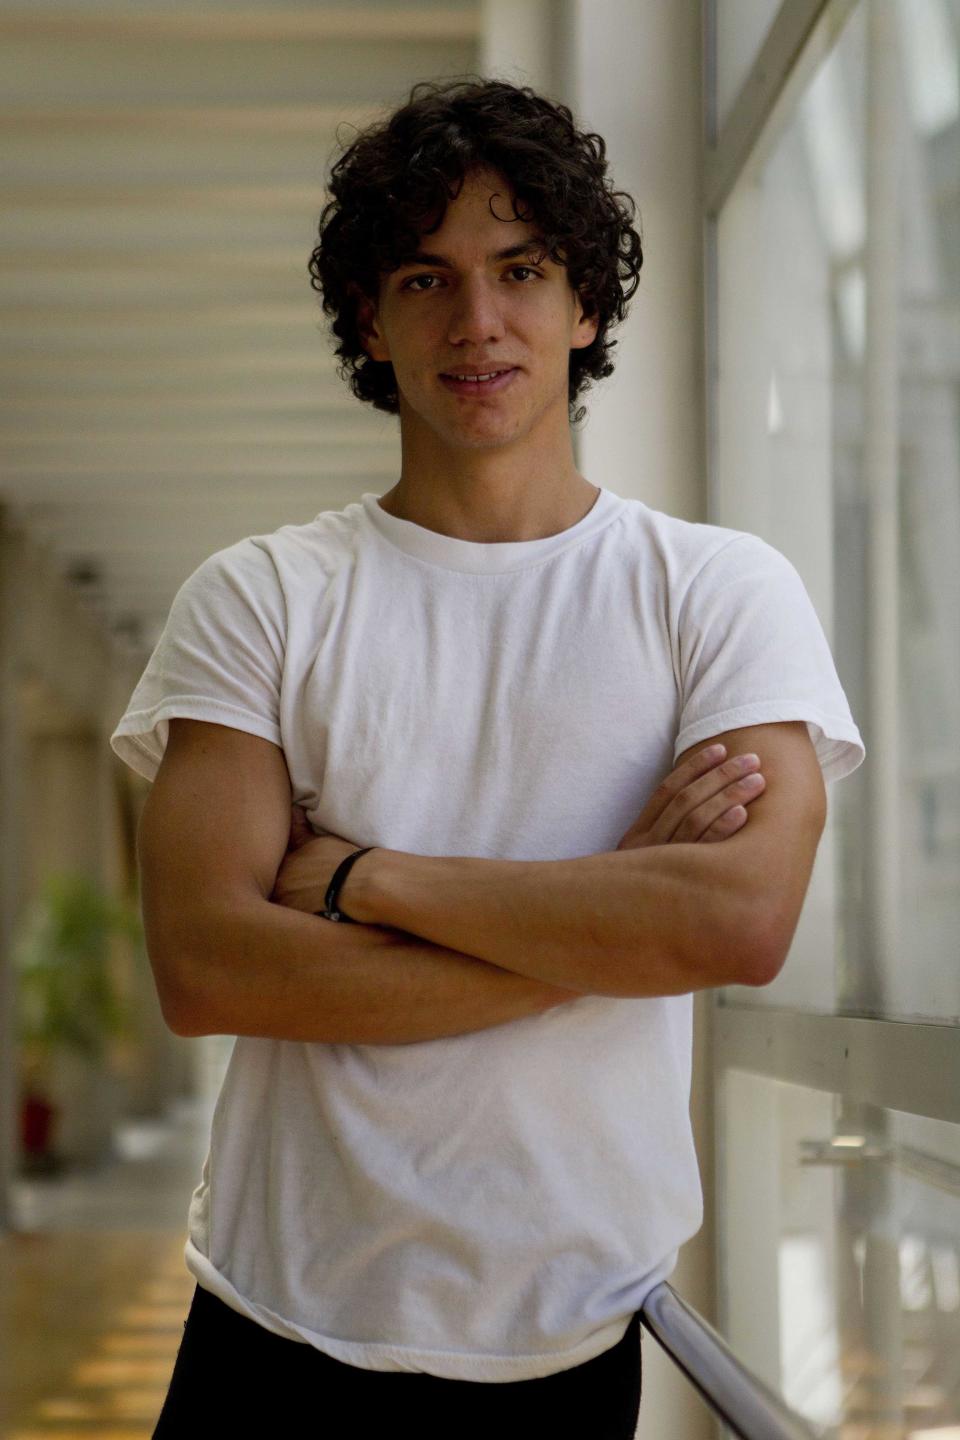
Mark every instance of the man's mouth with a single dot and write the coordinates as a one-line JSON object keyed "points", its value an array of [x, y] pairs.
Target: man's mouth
{"points": [[479, 382]]}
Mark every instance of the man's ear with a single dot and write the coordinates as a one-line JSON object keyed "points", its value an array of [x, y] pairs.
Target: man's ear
{"points": [[585, 328], [368, 325]]}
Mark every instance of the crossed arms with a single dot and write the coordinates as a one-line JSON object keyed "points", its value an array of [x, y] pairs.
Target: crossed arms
{"points": [[448, 945]]}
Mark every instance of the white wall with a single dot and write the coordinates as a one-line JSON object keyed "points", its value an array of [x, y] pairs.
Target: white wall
{"points": [[636, 80]]}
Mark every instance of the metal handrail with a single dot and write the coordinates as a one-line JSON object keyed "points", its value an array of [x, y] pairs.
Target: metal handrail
{"points": [[748, 1406]]}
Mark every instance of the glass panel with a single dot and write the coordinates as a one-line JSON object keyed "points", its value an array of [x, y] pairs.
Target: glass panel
{"points": [[840, 1232], [742, 27], [838, 441]]}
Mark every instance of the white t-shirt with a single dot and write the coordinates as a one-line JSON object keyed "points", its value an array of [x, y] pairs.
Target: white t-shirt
{"points": [[493, 1206]]}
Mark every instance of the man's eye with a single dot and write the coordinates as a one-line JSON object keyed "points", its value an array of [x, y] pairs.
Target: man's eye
{"points": [[421, 283]]}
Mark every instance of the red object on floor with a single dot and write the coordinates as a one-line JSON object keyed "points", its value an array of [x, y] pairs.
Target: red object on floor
{"points": [[36, 1123]]}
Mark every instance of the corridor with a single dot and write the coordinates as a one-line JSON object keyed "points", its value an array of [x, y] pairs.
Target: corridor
{"points": [[95, 1266]]}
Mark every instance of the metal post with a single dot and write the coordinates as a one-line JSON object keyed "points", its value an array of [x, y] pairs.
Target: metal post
{"points": [[881, 420]]}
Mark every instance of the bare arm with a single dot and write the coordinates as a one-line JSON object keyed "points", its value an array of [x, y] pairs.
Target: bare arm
{"points": [[226, 960], [661, 920]]}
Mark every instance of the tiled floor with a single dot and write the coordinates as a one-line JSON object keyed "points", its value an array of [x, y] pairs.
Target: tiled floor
{"points": [[94, 1290]]}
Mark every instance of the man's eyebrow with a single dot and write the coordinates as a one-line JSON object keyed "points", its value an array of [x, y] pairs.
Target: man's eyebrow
{"points": [[526, 247]]}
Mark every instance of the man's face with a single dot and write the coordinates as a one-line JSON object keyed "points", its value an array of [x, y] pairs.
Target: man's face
{"points": [[464, 307]]}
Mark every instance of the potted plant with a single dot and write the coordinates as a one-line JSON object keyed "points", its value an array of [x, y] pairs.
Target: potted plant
{"points": [[68, 1005]]}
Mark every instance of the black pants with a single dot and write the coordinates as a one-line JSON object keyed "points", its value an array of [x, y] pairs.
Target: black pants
{"points": [[233, 1377]]}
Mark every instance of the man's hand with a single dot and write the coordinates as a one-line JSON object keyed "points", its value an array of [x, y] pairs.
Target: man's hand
{"points": [[704, 798], [307, 868]]}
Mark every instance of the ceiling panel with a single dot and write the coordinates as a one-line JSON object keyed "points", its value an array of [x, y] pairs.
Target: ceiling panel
{"points": [[166, 383]]}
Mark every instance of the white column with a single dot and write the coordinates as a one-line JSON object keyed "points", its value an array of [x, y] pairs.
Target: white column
{"points": [[634, 73], [517, 42]]}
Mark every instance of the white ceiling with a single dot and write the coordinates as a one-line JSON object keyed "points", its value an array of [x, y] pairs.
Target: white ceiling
{"points": [[168, 385]]}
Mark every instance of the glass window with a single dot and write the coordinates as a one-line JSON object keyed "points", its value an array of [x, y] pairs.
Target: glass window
{"points": [[742, 27], [842, 1290], [838, 441]]}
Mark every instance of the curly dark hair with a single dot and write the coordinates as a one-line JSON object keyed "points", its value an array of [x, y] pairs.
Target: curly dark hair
{"points": [[393, 183]]}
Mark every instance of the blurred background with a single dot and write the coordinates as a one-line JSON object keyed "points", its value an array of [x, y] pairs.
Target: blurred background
{"points": [[790, 366]]}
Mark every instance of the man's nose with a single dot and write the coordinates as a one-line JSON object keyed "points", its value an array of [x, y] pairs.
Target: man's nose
{"points": [[475, 316]]}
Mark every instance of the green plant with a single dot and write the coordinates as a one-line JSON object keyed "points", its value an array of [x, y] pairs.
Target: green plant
{"points": [[66, 995]]}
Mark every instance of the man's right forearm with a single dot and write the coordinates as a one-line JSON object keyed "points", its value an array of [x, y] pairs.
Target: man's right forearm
{"points": [[266, 970]]}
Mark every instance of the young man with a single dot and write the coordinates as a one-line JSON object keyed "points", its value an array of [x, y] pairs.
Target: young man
{"points": [[452, 1152]]}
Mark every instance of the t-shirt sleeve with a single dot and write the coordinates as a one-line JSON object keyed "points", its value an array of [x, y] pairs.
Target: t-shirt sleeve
{"points": [[753, 651], [219, 658]]}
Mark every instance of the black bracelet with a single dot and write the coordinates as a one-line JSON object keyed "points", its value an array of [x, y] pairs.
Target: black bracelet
{"points": [[330, 910]]}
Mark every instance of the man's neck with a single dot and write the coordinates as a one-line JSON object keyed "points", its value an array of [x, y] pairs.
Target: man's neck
{"points": [[489, 498], [486, 519]]}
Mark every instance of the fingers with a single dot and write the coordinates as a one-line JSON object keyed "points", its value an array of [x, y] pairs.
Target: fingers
{"points": [[726, 825], [694, 798], [703, 798], [716, 815], [702, 763], [648, 822]]}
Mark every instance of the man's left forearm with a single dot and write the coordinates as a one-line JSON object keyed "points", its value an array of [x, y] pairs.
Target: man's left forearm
{"points": [[659, 920]]}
